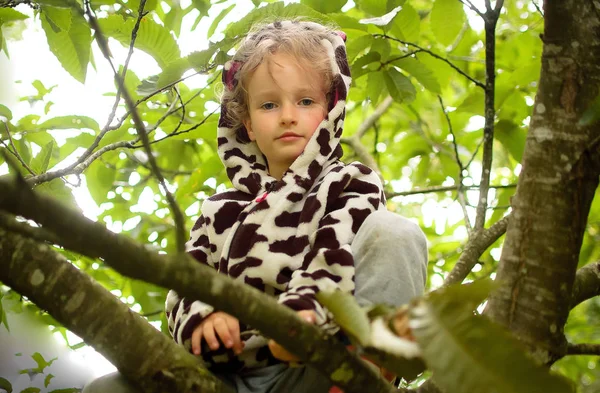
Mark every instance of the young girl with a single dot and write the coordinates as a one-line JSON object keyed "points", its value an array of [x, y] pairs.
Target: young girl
{"points": [[288, 225], [298, 220]]}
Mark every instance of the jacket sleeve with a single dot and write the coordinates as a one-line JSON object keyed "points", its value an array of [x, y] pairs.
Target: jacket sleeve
{"points": [[183, 315], [329, 265]]}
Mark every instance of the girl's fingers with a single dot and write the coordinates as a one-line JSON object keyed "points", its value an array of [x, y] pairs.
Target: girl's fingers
{"points": [[234, 329], [222, 330], [209, 335], [196, 339]]}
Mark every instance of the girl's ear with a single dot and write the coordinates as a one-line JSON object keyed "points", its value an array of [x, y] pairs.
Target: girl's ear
{"points": [[248, 124]]}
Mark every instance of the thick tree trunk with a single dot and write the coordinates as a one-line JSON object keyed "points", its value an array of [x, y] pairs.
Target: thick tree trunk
{"points": [[143, 354], [556, 186]]}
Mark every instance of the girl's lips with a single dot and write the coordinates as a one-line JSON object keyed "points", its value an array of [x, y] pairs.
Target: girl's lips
{"points": [[288, 136]]}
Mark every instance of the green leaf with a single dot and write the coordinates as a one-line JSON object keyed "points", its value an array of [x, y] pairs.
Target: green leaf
{"points": [[218, 19], [468, 353], [41, 362], [447, 20], [512, 138], [399, 86], [200, 61], [40, 163], [5, 112], [61, 18], [47, 380], [6, 385], [70, 122], [3, 320], [407, 24], [271, 12], [67, 390], [351, 317], [10, 15], [325, 7], [57, 189], [100, 179], [592, 114], [421, 73], [372, 7], [361, 64], [31, 390], [375, 86], [383, 20], [152, 38], [71, 47]]}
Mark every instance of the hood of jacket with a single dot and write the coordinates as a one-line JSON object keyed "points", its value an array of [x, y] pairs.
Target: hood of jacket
{"points": [[245, 164]]}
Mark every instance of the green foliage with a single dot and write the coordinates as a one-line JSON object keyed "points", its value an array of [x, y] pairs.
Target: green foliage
{"points": [[152, 38], [69, 38], [6, 385], [447, 20], [468, 353], [348, 314]]}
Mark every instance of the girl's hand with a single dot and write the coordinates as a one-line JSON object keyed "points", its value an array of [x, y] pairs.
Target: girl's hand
{"points": [[281, 353], [220, 324]]}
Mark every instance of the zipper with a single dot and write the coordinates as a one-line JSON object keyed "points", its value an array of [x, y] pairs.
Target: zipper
{"points": [[260, 199]]}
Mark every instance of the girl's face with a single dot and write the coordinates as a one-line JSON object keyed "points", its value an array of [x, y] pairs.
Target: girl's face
{"points": [[286, 103]]}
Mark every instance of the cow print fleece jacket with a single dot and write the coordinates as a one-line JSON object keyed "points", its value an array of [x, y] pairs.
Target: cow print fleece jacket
{"points": [[289, 238]]}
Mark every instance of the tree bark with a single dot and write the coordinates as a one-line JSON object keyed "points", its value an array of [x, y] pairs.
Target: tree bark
{"points": [[144, 355], [556, 185], [196, 281]]}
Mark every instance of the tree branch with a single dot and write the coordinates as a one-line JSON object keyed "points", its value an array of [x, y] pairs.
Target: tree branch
{"points": [[8, 222], [475, 81], [375, 116], [587, 283], [430, 190], [143, 355], [583, 349], [196, 281], [472, 7], [476, 246], [363, 154], [491, 20], [141, 130]]}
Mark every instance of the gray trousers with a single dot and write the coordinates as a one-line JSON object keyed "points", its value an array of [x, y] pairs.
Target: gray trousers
{"points": [[390, 257]]}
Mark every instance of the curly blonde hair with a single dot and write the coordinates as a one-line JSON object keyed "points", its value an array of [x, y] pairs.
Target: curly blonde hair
{"points": [[301, 39]]}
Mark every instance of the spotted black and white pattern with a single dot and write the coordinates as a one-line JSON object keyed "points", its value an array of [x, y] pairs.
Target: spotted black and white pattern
{"points": [[289, 238]]}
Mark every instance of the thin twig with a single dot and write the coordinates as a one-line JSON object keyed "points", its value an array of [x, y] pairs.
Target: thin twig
{"points": [[537, 7], [16, 152], [181, 132], [410, 54], [472, 7], [475, 81], [141, 130], [460, 194], [113, 112], [583, 349], [430, 190]]}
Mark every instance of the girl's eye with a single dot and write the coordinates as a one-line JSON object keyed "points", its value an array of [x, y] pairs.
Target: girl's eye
{"points": [[306, 102], [268, 105]]}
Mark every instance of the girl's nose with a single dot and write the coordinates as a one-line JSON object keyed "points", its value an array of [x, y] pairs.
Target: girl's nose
{"points": [[288, 115]]}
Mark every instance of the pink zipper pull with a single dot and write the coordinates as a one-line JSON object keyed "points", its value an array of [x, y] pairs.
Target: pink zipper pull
{"points": [[262, 197]]}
